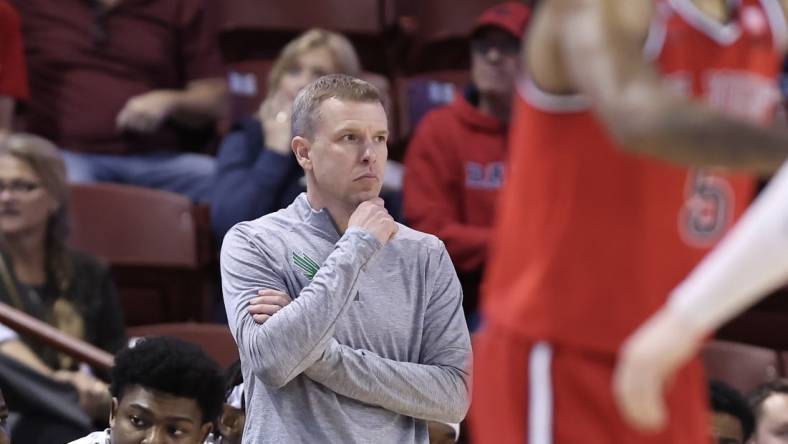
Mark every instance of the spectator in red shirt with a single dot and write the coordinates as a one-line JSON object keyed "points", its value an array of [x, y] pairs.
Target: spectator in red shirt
{"points": [[13, 75], [125, 87], [454, 165]]}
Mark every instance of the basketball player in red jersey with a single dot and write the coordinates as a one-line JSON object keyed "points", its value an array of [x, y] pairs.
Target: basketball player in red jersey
{"points": [[612, 197]]}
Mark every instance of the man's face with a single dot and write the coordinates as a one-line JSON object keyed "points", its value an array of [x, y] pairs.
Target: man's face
{"points": [[347, 156], [152, 417], [494, 62], [772, 426], [726, 429]]}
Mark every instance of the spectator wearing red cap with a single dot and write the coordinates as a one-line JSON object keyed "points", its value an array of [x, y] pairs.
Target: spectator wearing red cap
{"points": [[455, 161], [13, 74]]}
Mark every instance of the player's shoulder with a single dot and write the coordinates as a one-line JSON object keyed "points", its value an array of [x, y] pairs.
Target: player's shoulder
{"points": [[558, 24]]}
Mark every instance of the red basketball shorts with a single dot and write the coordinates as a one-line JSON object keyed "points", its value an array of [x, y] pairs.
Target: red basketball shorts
{"points": [[534, 393]]}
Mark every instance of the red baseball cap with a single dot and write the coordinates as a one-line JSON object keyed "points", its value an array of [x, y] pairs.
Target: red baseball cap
{"points": [[511, 17]]}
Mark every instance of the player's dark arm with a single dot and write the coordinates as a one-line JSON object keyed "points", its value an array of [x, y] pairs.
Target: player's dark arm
{"points": [[601, 48]]}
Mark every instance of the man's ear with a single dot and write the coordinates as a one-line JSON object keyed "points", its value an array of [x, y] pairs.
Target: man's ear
{"points": [[302, 149], [113, 411], [206, 429]]}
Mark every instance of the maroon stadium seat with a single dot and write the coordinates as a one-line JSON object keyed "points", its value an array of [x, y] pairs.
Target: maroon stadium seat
{"points": [[418, 94], [248, 81], [215, 339], [740, 365], [259, 28], [157, 243], [348, 16]]}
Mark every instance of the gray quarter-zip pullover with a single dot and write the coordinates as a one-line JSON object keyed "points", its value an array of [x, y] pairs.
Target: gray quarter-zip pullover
{"points": [[373, 344]]}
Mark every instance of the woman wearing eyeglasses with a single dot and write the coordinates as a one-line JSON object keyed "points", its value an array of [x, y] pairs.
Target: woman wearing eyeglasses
{"points": [[41, 276]]}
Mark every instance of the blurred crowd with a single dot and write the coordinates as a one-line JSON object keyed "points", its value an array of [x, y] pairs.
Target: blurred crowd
{"points": [[141, 94]]}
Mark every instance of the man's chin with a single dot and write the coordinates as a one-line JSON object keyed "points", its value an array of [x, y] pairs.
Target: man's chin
{"points": [[365, 196]]}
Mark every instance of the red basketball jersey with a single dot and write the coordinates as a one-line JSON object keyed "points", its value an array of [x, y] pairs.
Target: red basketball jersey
{"points": [[589, 239]]}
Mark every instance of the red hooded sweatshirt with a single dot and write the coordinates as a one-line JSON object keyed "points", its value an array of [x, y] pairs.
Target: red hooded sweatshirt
{"points": [[454, 168]]}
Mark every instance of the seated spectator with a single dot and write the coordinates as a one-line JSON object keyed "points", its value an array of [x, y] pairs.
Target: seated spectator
{"points": [[769, 404], [233, 418], [125, 87], [256, 171], [13, 73], [732, 421], [163, 390], [41, 276], [454, 165]]}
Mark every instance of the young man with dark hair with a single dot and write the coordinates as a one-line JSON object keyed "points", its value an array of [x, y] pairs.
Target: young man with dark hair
{"points": [[769, 404], [163, 390], [731, 418]]}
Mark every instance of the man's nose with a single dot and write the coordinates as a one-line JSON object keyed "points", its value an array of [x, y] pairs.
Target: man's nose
{"points": [[5, 194], [493, 54], [155, 435], [368, 153]]}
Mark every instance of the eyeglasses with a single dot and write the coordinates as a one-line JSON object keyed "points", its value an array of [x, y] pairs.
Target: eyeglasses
{"points": [[19, 187]]}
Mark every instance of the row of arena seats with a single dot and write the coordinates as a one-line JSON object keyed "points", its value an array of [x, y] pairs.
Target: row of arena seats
{"points": [[215, 339], [158, 246], [743, 366], [411, 32]]}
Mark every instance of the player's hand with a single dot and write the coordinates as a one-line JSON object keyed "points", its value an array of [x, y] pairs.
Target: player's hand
{"points": [[373, 217], [646, 363], [145, 113], [266, 304], [275, 114]]}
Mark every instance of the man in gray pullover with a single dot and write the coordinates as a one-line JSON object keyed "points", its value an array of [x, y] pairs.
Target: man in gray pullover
{"points": [[374, 342]]}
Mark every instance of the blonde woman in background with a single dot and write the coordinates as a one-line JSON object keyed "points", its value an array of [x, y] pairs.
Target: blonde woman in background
{"points": [[41, 276], [256, 172]]}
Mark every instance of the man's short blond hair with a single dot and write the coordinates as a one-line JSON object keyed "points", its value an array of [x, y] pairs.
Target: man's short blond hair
{"points": [[333, 86]]}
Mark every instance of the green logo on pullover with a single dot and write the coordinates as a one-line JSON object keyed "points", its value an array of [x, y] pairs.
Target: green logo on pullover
{"points": [[306, 264]]}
